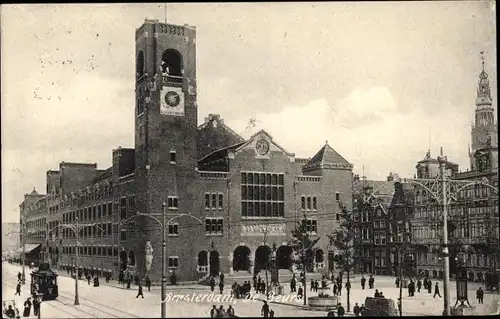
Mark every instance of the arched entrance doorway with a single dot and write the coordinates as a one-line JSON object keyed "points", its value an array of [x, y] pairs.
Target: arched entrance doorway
{"points": [[284, 257], [319, 258], [214, 263], [123, 259], [262, 258], [203, 261], [131, 258], [241, 258]]}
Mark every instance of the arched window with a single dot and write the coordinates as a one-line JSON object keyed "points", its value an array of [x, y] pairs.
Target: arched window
{"points": [[172, 63], [140, 65]]}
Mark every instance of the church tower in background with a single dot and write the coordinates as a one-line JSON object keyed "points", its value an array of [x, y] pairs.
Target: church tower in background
{"points": [[484, 151]]}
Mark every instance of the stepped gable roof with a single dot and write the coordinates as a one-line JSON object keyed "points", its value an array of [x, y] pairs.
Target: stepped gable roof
{"points": [[327, 156]]}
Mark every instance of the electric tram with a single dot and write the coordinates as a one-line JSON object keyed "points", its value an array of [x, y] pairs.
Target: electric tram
{"points": [[44, 282]]}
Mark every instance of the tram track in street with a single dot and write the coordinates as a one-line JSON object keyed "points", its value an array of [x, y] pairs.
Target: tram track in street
{"points": [[92, 313]]}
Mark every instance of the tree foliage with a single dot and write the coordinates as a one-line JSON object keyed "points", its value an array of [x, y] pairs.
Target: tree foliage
{"points": [[343, 240], [303, 246]]}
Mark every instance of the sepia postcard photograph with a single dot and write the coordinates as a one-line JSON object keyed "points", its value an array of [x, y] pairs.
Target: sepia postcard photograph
{"points": [[257, 159]]}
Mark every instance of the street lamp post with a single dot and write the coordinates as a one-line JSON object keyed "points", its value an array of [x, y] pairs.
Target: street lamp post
{"points": [[77, 236], [444, 190], [461, 280], [163, 224], [163, 266]]}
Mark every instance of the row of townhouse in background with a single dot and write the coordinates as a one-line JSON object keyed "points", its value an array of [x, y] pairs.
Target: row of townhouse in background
{"points": [[394, 215]]}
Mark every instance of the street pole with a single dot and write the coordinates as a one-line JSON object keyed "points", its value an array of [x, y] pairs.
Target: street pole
{"points": [[446, 257], [400, 284], [76, 230], [267, 261], [304, 259], [163, 265], [23, 279]]}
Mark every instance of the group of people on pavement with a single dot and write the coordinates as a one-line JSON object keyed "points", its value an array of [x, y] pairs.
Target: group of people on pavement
{"points": [[221, 312]]}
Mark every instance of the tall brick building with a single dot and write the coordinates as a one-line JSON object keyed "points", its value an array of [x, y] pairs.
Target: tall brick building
{"points": [[228, 199]]}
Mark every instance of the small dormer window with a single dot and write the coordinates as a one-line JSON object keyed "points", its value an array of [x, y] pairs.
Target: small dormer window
{"points": [[172, 157]]}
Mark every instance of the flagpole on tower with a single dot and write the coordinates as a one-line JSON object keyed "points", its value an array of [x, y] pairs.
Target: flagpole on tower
{"points": [[165, 6]]}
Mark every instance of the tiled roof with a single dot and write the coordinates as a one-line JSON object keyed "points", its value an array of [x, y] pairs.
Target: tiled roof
{"points": [[327, 155]]}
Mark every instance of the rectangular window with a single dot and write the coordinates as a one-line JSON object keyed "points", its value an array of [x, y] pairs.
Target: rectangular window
{"points": [[110, 231], [131, 203], [214, 201], [221, 201], [110, 209], [173, 229], [173, 202], [262, 195], [303, 202], [214, 226], [207, 200], [172, 157], [308, 203], [315, 203], [311, 225], [94, 213], [123, 235], [173, 262], [337, 196], [123, 208], [337, 216], [99, 211], [104, 210]]}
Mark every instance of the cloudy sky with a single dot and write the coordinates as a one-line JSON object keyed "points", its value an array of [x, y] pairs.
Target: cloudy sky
{"points": [[371, 78]]}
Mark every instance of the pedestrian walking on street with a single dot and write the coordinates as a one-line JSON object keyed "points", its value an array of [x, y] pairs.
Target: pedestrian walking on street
{"points": [[371, 282], [293, 284], [88, 279], [271, 314], [214, 312], [221, 277], [300, 292], [254, 279], [230, 310], [265, 310], [363, 282], [480, 295], [429, 286], [212, 284], [222, 312], [139, 293], [340, 310], [397, 282], [18, 289], [221, 287], [312, 285], [27, 307], [36, 306], [436, 290], [148, 283], [339, 288], [335, 289], [419, 285], [356, 310], [19, 276]]}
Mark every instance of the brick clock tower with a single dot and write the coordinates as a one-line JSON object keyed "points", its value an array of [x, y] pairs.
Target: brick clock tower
{"points": [[165, 132], [484, 152]]}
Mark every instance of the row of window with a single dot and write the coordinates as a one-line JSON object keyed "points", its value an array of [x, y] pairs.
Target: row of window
{"points": [[92, 231], [379, 237], [214, 201], [263, 193], [213, 226], [91, 250], [311, 225], [262, 209], [380, 257], [53, 209], [308, 202], [90, 213], [251, 178], [38, 223]]}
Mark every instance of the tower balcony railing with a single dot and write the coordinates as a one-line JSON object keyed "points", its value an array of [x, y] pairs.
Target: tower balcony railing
{"points": [[172, 80]]}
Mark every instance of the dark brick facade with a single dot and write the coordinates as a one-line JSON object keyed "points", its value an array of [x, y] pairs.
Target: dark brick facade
{"points": [[188, 166]]}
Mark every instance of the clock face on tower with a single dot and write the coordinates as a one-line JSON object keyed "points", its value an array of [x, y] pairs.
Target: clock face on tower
{"points": [[172, 99]]}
